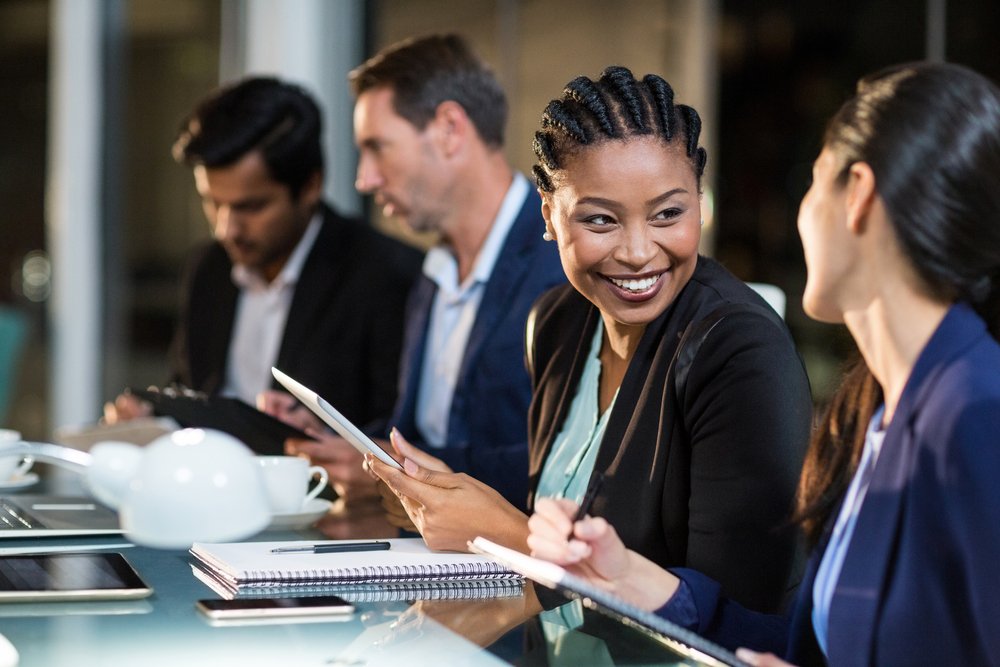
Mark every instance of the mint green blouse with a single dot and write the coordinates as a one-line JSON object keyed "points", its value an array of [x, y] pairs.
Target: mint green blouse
{"points": [[567, 469]]}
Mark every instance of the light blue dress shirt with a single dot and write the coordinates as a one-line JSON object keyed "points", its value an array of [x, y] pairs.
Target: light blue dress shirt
{"points": [[453, 314], [840, 539], [566, 474], [567, 469]]}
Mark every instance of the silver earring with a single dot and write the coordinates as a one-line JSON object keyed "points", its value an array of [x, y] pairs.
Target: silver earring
{"points": [[702, 223], [546, 236]]}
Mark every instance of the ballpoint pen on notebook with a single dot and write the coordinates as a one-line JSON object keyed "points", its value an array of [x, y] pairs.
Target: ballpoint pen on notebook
{"points": [[590, 496], [333, 548]]}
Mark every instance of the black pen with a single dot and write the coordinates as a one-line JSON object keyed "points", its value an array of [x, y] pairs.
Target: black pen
{"points": [[589, 497], [333, 548]]}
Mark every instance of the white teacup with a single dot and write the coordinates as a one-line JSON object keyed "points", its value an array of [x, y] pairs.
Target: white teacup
{"points": [[12, 467], [287, 481]]}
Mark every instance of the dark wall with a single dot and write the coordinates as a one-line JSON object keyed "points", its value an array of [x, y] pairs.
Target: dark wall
{"points": [[784, 70]]}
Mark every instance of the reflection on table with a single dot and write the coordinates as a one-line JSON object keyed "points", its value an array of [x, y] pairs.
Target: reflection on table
{"points": [[165, 629]]}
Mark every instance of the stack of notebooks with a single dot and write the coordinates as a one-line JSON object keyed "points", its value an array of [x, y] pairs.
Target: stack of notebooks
{"points": [[408, 570]]}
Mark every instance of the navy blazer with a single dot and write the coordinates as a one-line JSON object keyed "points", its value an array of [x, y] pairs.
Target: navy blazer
{"points": [[487, 425], [919, 580], [344, 330]]}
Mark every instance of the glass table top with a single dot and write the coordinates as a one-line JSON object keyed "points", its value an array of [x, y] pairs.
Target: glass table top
{"points": [[508, 627]]}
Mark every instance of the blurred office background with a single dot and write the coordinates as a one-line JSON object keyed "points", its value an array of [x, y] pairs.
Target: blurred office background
{"points": [[97, 218]]}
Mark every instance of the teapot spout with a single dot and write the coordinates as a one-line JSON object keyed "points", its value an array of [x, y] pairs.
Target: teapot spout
{"points": [[64, 457]]}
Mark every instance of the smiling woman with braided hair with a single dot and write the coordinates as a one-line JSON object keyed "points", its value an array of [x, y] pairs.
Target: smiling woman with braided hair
{"points": [[655, 370], [899, 496]]}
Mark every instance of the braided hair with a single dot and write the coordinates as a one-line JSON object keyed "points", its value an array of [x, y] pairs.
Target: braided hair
{"points": [[616, 106]]}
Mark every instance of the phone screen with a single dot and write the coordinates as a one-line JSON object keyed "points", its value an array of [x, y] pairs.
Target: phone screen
{"points": [[264, 607]]}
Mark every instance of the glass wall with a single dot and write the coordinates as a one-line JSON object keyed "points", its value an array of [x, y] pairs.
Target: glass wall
{"points": [[24, 268], [764, 74], [159, 58], [170, 58]]}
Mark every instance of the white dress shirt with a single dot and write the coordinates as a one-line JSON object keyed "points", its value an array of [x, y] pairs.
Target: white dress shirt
{"points": [[453, 314], [261, 312]]}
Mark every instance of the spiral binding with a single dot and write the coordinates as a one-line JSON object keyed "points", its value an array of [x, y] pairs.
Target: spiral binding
{"points": [[379, 574]]}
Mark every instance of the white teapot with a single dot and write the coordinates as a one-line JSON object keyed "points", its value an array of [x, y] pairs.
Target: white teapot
{"points": [[192, 485]]}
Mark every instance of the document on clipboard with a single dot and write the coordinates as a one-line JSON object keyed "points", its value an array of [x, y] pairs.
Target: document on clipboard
{"points": [[556, 577], [332, 417]]}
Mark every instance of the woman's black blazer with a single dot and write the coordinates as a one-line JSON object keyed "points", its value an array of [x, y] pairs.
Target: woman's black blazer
{"points": [[705, 479]]}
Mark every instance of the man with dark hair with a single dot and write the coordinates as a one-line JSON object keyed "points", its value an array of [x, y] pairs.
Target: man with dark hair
{"points": [[429, 124], [286, 281]]}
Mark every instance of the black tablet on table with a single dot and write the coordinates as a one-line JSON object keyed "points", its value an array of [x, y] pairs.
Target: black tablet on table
{"points": [[46, 577], [260, 431]]}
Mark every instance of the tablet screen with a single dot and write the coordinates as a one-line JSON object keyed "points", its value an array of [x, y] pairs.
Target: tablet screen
{"points": [[69, 576]]}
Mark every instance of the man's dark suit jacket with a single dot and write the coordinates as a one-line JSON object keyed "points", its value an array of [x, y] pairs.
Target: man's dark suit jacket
{"points": [[487, 432], [344, 328], [706, 479], [919, 580]]}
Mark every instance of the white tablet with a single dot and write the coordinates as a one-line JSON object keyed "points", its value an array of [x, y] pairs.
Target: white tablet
{"points": [[332, 416]]}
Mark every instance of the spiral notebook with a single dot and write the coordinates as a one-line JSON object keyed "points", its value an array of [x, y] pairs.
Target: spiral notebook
{"points": [[247, 565], [407, 591]]}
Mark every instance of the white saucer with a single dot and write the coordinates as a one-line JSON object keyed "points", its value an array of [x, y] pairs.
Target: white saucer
{"points": [[311, 512], [19, 482]]}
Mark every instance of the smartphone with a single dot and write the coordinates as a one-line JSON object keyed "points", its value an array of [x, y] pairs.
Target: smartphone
{"points": [[317, 605], [69, 576]]}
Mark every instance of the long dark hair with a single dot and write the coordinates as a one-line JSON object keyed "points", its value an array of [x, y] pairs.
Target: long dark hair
{"points": [[931, 134]]}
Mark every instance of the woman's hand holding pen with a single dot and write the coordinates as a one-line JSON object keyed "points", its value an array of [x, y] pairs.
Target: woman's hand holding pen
{"points": [[446, 507], [591, 549]]}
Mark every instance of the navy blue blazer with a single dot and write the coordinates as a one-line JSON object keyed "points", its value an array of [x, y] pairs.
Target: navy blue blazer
{"points": [[487, 426], [919, 580]]}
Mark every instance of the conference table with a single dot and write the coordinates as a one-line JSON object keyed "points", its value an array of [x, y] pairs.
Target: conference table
{"points": [[166, 629]]}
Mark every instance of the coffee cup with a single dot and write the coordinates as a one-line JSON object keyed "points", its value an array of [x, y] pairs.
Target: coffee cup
{"points": [[287, 479], [12, 467]]}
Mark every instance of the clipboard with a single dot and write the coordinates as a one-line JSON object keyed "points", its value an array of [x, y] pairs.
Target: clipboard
{"points": [[553, 576], [332, 417], [258, 430]]}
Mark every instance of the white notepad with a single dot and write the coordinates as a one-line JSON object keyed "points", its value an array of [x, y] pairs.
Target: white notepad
{"points": [[251, 564]]}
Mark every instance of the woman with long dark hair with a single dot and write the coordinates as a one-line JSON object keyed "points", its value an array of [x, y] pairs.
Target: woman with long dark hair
{"points": [[899, 495]]}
